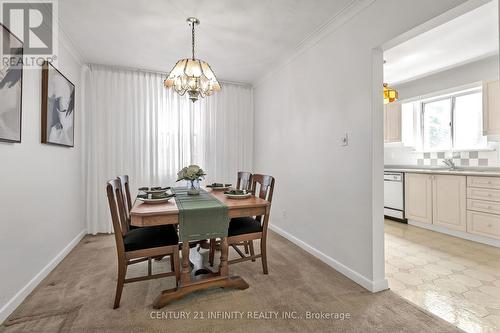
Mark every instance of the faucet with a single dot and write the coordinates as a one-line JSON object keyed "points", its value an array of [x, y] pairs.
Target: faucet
{"points": [[449, 163]]}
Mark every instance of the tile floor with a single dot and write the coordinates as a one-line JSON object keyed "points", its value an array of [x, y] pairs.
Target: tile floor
{"points": [[455, 279]]}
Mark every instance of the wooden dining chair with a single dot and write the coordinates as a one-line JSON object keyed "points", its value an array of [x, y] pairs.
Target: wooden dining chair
{"points": [[124, 182], [248, 229], [244, 181], [138, 245]]}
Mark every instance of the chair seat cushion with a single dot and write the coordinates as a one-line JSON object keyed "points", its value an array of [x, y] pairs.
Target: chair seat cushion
{"points": [[243, 225], [148, 237]]}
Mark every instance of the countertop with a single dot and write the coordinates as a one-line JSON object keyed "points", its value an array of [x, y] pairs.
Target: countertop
{"points": [[464, 171]]}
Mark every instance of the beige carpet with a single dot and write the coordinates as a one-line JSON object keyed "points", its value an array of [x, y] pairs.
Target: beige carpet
{"points": [[77, 297]]}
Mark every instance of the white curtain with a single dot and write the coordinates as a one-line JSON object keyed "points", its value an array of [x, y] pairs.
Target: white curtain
{"points": [[134, 126]]}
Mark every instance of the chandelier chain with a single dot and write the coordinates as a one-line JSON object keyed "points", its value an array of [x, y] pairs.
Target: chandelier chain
{"points": [[192, 43]]}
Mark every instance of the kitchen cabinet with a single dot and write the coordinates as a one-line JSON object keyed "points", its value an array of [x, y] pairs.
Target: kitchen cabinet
{"points": [[437, 199], [483, 182], [483, 206], [483, 224], [491, 107], [418, 197], [449, 203], [454, 202], [392, 122]]}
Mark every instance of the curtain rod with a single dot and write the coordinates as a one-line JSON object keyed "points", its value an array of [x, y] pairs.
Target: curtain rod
{"points": [[145, 70]]}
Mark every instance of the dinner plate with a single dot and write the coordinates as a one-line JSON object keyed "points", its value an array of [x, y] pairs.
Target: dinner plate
{"points": [[219, 188], [238, 196], [148, 190], [154, 201]]}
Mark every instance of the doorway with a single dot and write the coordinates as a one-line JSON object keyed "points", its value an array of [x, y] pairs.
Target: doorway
{"points": [[437, 153]]}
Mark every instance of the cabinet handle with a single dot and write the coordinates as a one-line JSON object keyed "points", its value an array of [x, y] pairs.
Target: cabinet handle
{"points": [[489, 225], [489, 182]]}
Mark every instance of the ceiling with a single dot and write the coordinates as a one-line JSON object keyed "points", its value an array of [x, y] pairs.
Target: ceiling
{"points": [[465, 39], [240, 39]]}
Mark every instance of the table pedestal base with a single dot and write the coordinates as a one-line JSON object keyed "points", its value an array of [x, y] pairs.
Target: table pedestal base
{"points": [[170, 295]]}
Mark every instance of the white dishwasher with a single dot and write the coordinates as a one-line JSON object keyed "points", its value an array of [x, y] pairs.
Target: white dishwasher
{"points": [[394, 189]]}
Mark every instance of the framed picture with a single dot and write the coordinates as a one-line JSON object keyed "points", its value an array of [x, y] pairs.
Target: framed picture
{"points": [[11, 85], [58, 107]]}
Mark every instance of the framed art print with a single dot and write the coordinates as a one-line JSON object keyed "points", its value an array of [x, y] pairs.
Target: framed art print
{"points": [[58, 107], [11, 85]]}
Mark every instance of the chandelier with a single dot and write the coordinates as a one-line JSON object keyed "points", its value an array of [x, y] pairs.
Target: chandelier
{"points": [[193, 76], [390, 95]]}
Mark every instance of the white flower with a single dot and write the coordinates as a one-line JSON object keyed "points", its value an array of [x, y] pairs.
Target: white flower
{"points": [[191, 172]]}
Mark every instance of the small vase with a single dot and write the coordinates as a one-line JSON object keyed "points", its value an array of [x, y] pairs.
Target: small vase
{"points": [[193, 187]]}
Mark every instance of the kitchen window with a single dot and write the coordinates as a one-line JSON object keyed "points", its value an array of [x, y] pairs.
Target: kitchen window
{"points": [[453, 122]]}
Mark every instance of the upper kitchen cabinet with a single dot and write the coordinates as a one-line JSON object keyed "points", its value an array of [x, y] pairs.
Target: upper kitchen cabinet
{"points": [[392, 122], [491, 108]]}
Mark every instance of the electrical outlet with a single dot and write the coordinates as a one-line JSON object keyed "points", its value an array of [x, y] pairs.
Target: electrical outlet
{"points": [[283, 213]]}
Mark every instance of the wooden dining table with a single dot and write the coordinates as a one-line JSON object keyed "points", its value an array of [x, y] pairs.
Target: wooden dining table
{"points": [[146, 215]]}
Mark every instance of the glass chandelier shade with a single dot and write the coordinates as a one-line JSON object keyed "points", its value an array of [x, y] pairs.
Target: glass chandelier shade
{"points": [[193, 76], [390, 95]]}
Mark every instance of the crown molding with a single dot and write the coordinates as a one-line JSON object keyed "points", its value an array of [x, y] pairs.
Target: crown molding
{"points": [[158, 72], [330, 26], [72, 49]]}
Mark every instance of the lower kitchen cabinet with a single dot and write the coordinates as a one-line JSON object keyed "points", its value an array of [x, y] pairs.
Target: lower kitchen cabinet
{"points": [[449, 203], [437, 199], [468, 204], [418, 197], [483, 224]]}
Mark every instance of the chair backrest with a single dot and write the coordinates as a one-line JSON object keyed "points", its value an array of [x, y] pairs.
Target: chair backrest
{"points": [[118, 214], [244, 180], [263, 187], [126, 194]]}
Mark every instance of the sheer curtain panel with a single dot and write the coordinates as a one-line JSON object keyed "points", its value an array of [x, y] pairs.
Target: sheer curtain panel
{"points": [[134, 126]]}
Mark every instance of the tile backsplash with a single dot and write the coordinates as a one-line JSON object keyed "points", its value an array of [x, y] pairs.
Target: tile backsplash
{"points": [[399, 155], [464, 159]]}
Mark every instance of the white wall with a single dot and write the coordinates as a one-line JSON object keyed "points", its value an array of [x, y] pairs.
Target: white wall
{"points": [[327, 197], [40, 193], [485, 69]]}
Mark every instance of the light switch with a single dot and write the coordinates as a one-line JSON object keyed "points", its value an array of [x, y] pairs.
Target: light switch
{"points": [[344, 141]]}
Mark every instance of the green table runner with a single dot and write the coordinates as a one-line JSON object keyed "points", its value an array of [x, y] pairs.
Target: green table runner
{"points": [[200, 216]]}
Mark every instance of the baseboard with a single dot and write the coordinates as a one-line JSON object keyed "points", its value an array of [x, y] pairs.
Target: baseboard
{"points": [[456, 233], [373, 286], [19, 297]]}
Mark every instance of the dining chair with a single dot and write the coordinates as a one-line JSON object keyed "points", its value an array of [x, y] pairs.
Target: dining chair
{"points": [[243, 182], [124, 182], [138, 245], [248, 229]]}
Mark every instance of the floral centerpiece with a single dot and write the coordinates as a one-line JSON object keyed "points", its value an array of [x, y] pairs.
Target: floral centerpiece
{"points": [[193, 174]]}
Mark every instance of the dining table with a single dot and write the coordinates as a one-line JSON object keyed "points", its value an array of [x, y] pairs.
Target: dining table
{"points": [[146, 215]]}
